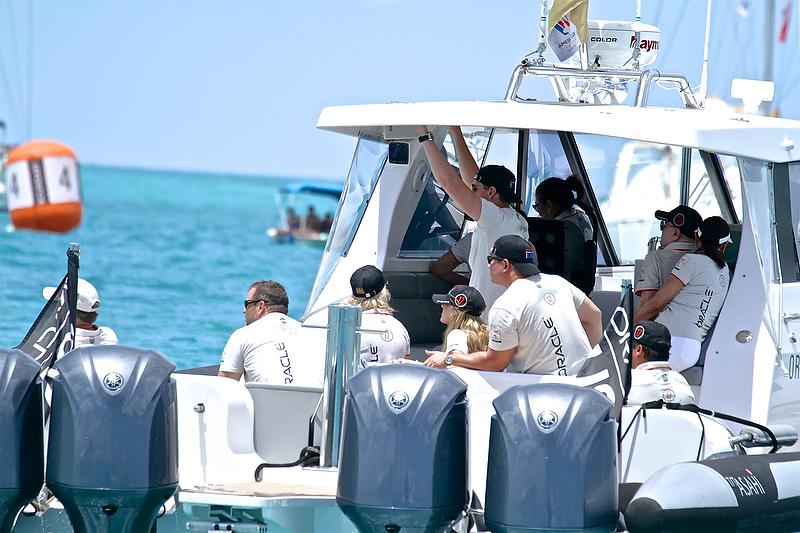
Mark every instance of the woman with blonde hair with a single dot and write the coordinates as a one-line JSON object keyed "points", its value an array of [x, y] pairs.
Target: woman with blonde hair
{"points": [[372, 295], [466, 332]]}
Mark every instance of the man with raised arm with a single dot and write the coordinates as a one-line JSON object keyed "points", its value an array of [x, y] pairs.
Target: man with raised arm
{"points": [[541, 324], [489, 201]]}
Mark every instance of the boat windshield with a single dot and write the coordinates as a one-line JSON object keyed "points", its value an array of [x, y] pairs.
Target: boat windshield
{"points": [[368, 162]]}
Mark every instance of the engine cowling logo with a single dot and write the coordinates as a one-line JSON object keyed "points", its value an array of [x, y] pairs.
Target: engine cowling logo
{"points": [[398, 400], [113, 381], [547, 420]]}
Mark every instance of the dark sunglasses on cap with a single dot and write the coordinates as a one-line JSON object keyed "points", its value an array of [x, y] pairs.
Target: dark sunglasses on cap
{"points": [[248, 303]]}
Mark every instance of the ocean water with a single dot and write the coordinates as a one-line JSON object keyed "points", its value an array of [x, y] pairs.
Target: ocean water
{"points": [[170, 253]]}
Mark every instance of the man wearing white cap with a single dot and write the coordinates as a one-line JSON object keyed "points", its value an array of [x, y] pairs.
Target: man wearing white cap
{"points": [[87, 333]]}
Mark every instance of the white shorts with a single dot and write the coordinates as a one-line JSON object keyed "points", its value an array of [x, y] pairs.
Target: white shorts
{"points": [[684, 353]]}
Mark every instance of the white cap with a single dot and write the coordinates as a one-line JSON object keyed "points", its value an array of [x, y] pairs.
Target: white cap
{"points": [[88, 299]]}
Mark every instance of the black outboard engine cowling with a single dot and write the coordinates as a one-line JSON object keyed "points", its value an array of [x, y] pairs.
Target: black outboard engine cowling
{"points": [[21, 434], [403, 464], [552, 460], [112, 457]]}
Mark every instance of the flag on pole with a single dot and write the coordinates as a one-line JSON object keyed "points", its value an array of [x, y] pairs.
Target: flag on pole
{"points": [[610, 361], [786, 15], [567, 20], [53, 333]]}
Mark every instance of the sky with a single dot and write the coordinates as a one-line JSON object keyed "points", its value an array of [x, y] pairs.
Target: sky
{"points": [[236, 86]]}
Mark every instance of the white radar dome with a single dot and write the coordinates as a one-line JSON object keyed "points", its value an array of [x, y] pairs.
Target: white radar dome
{"points": [[611, 44]]}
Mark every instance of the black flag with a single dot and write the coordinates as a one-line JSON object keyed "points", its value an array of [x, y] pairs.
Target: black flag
{"points": [[53, 332], [610, 362]]}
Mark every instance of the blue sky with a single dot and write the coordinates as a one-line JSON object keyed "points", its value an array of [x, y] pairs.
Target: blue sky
{"points": [[237, 85]]}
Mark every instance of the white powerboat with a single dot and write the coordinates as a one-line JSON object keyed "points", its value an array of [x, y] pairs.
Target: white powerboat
{"points": [[392, 215]]}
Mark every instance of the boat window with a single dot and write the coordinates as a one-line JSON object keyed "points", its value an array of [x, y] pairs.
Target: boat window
{"points": [[368, 162], [702, 194], [546, 158], [794, 197]]}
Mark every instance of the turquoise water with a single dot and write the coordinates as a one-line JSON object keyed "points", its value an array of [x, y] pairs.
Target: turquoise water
{"points": [[171, 254]]}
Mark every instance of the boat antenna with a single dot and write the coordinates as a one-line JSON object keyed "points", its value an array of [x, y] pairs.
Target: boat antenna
{"points": [[542, 29], [637, 35], [704, 72]]}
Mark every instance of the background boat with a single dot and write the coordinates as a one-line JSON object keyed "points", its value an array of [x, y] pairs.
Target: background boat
{"points": [[305, 210]]}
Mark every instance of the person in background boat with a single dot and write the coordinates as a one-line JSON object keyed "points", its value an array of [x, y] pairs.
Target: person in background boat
{"points": [[652, 378], [542, 324], [678, 228], [489, 202], [690, 300], [267, 349], [327, 223], [311, 222], [466, 332], [292, 220], [444, 267], [556, 199], [87, 333], [372, 295]]}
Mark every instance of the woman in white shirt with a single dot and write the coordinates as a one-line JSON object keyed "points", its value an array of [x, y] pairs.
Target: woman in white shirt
{"points": [[466, 332], [556, 199]]}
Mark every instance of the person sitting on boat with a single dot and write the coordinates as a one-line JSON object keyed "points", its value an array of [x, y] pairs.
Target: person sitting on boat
{"points": [[690, 300], [489, 202], [556, 199], [327, 223], [267, 348], [372, 295], [444, 267], [87, 333], [678, 228], [311, 222], [292, 220], [652, 377], [542, 324], [466, 332]]}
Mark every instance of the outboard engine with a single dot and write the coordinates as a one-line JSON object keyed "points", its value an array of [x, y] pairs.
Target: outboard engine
{"points": [[21, 438], [552, 460], [403, 464], [112, 457]]}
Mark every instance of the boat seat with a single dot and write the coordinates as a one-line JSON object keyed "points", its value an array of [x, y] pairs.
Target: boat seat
{"points": [[411, 300], [562, 249], [282, 415]]}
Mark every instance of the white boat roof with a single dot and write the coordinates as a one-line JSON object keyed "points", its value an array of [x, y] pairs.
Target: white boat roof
{"points": [[766, 138]]}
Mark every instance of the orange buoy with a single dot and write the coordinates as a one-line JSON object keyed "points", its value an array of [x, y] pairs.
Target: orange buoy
{"points": [[43, 187]]}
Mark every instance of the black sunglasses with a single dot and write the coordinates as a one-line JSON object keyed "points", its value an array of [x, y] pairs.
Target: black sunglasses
{"points": [[664, 224], [490, 258], [248, 303]]}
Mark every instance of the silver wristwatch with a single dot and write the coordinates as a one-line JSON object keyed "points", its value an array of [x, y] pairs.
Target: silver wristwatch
{"points": [[448, 359]]}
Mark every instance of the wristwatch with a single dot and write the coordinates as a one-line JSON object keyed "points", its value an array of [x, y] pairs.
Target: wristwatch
{"points": [[448, 360], [427, 137]]}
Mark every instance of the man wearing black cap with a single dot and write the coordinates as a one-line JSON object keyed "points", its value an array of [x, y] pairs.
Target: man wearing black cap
{"points": [[489, 201], [652, 378], [372, 295], [677, 238], [542, 324]]}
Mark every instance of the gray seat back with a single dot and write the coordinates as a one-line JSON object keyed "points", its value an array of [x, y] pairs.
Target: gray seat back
{"points": [[411, 300]]}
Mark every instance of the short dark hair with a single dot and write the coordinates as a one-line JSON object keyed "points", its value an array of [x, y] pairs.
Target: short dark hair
{"points": [[89, 317], [273, 294], [650, 354]]}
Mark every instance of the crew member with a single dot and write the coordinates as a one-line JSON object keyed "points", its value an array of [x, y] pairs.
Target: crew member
{"points": [[652, 378], [87, 333]]}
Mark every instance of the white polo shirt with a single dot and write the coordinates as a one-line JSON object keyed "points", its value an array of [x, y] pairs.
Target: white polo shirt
{"points": [[393, 343], [270, 350], [94, 337], [493, 223], [538, 315], [456, 342], [658, 264], [655, 380]]}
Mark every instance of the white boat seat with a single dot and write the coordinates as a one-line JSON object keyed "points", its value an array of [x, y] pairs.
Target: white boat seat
{"points": [[411, 300], [281, 419]]}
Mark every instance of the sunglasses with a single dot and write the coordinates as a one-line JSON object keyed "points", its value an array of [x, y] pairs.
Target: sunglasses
{"points": [[665, 224], [248, 303], [490, 258]]}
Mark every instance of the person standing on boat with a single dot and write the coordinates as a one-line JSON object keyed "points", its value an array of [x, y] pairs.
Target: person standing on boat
{"points": [[690, 300], [87, 333], [311, 222], [652, 377], [678, 228], [557, 199], [372, 295], [466, 332], [542, 324], [267, 348], [489, 202]]}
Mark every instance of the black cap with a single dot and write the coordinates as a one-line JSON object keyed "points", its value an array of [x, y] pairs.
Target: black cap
{"points": [[464, 298], [500, 178], [714, 230], [519, 252], [682, 217], [367, 282], [654, 336]]}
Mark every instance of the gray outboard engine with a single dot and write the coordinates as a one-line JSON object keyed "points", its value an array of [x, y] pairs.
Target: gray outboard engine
{"points": [[403, 464], [21, 438], [112, 457], [552, 460]]}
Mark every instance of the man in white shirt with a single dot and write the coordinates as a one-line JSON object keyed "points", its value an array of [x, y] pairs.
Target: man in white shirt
{"points": [[444, 267], [542, 324], [489, 202], [268, 348], [87, 333], [652, 377], [677, 238]]}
